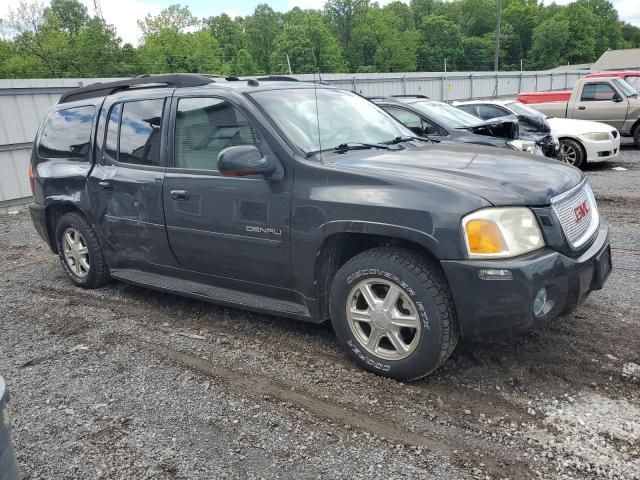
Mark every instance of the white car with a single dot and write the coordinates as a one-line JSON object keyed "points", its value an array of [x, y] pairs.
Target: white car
{"points": [[581, 141]]}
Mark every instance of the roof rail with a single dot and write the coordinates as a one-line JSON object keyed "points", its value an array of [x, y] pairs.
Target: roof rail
{"points": [[108, 88], [411, 96], [278, 78]]}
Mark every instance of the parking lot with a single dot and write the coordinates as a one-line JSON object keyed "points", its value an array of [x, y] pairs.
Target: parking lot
{"points": [[126, 383]]}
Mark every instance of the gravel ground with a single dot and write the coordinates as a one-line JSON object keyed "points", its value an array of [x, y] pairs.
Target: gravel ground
{"points": [[126, 383]]}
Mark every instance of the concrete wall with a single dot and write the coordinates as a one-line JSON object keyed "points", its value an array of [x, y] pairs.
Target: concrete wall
{"points": [[23, 104]]}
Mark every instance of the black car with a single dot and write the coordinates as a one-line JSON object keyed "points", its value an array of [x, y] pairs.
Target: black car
{"points": [[533, 124], [310, 202], [441, 121]]}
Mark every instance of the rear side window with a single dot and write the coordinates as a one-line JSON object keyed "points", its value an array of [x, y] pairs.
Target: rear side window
{"points": [[67, 134], [140, 132], [593, 92]]}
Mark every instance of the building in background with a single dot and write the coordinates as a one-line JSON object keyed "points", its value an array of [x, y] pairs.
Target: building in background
{"points": [[627, 59]]}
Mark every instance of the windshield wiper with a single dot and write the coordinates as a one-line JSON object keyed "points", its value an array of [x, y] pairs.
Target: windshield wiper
{"points": [[344, 147], [406, 138]]}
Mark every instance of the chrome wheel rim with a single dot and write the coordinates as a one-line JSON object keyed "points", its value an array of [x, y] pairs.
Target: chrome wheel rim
{"points": [[383, 319], [76, 253], [569, 154]]}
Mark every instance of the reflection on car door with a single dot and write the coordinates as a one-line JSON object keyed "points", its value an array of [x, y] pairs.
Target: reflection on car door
{"points": [[125, 186], [218, 225]]}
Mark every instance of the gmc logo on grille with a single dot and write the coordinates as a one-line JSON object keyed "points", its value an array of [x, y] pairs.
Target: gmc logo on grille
{"points": [[581, 210]]}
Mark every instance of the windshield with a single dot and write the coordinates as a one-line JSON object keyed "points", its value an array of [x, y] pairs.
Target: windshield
{"points": [[341, 118], [627, 89], [446, 115], [522, 109]]}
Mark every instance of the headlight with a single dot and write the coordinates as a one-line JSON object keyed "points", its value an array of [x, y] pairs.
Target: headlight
{"points": [[597, 136], [524, 145], [501, 232]]}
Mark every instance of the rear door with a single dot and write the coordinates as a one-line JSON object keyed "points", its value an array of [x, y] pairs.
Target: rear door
{"points": [[126, 184], [597, 103], [236, 229]]}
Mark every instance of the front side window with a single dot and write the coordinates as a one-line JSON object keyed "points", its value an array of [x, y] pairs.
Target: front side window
{"points": [[205, 127], [323, 118], [67, 133], [593, 92], [447, 115], [140, 132], [413, 121], [488, 112]]}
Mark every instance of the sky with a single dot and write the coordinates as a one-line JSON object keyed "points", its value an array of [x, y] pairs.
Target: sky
{"points": [[125, 13]]}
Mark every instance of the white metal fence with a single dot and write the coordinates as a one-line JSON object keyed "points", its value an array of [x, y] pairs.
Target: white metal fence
{"points": [[23, 103]]}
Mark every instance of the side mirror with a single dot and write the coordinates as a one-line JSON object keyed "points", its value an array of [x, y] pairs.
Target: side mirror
{"points": [[243, 160], [617, 97]]}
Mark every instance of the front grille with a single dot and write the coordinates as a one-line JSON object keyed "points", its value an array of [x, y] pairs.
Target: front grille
{"points": [[578, 214], [614, 133]]}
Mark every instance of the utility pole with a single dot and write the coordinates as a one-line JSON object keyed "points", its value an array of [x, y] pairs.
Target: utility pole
{"points": [[97, 9], [289, 64], [445, 65], [496, 62]]}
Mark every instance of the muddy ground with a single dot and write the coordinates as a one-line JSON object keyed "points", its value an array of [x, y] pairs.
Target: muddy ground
{"points": [[126, 383]]}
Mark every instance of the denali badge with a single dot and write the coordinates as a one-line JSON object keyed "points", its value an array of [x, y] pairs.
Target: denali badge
{"points": [[581, 210], [271, 231]]}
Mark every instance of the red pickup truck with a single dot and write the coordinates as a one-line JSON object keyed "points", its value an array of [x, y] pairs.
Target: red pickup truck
{"points": [[632, 77]]}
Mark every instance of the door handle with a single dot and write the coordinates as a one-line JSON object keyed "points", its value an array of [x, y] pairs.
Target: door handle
{"points": [[179, 194], [582, 108], [105, 185]]}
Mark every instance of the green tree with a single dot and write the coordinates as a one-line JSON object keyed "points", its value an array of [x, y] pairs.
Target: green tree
{"points": [[261, 29], [229, 35], [440, 39], [344, 17], [311, 47], [174, 18]]}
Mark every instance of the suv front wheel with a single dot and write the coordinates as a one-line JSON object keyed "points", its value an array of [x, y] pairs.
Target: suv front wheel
{"points": [[80, 252], [392, 311]]}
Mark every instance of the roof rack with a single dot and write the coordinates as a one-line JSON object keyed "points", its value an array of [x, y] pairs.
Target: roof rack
{"points": [[411, 96], [108, 88], [278, 78]]}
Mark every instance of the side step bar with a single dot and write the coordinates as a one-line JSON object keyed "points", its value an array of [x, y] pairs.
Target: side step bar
{"points": [[222, 296]]}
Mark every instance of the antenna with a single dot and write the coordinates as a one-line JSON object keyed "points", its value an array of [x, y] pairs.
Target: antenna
{"points": [[315, 92]]}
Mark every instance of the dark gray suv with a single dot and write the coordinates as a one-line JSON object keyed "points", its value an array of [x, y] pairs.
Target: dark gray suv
{"points": [[305, 201]]}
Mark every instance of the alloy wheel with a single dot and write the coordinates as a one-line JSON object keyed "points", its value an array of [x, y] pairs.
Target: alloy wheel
{"points": [[383, 319], [569, 154], [76, 252]]}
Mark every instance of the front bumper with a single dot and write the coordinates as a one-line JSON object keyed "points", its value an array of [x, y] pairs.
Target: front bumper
{"points": [[598, 151], [493, 306]]}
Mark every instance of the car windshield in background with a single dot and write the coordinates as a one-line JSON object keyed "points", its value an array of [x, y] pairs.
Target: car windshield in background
{"points": [[627, 89], [340, 118], [450, 117], [522, 109]]}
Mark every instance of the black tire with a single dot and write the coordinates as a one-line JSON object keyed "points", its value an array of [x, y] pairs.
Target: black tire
{"points": [[423, 282], [98, 273], [573, 148], [636, 135]]}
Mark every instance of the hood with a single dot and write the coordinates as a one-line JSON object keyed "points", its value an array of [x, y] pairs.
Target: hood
{"points": [[501, 127], [567, 126], [500, 176]]}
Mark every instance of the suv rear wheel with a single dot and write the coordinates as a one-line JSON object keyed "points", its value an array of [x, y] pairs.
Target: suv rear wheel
{"points": [[392, 311], [80, 252]]}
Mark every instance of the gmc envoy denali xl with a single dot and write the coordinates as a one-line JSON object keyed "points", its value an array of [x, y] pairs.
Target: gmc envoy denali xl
{"points": [[310, 202]]}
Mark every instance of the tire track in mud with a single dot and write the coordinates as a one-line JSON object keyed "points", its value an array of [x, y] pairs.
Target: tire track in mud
{"points": [[262, 385]]}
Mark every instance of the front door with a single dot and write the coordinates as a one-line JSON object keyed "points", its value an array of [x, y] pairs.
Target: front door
{"points": [[125, 186], [597, 103], [236, 229]]}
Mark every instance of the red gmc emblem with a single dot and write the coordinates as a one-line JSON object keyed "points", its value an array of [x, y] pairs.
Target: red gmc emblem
{"points": [[581, 210]]}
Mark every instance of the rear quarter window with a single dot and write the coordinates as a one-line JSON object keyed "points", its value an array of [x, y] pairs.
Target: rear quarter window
{"points": [[67, 133]]}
